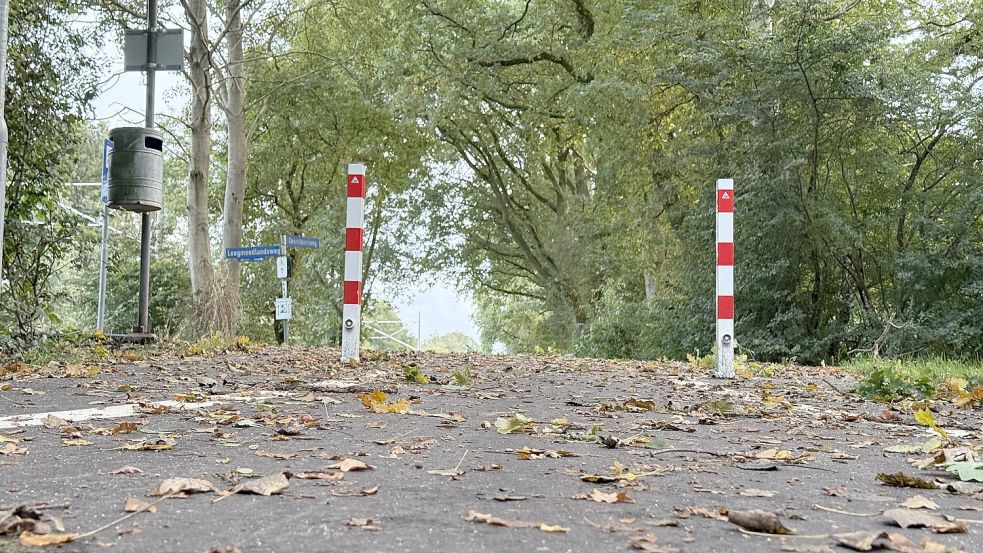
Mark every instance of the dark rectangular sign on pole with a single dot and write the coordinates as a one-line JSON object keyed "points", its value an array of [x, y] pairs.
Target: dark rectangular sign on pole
{"points": [[170, 50]]}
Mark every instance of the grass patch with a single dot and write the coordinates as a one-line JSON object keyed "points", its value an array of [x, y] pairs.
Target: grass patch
{"points": [[924, 378]]}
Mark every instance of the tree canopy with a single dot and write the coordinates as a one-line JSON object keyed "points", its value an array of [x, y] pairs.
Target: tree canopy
{"points": [[557, 159]]}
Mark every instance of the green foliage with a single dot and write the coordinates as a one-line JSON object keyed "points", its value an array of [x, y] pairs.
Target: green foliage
{"points": [[51, 82], [462, 378], [452, 342], [415, 375], [887, 380]]}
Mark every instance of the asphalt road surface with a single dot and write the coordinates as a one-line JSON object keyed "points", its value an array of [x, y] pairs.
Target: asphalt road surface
{"points": [[547, 454]]}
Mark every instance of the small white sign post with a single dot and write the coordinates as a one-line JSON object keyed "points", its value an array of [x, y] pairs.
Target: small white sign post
{"points": [[284, 312]]}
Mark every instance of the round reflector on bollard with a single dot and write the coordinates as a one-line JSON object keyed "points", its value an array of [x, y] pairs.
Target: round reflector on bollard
{"points": [[136, 169]]}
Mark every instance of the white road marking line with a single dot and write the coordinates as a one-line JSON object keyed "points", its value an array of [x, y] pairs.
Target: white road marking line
{"points": [[126, 410]]}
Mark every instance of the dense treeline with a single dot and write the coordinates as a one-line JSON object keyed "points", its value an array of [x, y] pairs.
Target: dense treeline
{"points": [[559, 157]]}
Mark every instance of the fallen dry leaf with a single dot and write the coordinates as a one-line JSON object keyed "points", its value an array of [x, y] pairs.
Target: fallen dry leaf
{"points": [[908, 518], [902, 480], [754, 492], [350, 465], [919, 502], [275, 455], [860, 541], [11, 449], [188, 485], [377, 401], [76, 442], [647, 543], [159, 445], [319, 475], [124, 427], [127, 469], [363, 523], [267, 485], [30, 539], [757, 520], [602, 497], [475, 516], [52, 422], [133, 504]]}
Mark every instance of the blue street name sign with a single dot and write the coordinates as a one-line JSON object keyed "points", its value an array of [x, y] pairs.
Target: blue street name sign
{"points": [[302, 242], [256, 253]]}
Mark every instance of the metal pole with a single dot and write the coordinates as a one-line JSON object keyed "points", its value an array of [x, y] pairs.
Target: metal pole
{"points": [[4, 10], [103, 256], [283, 289], [143, 313]]}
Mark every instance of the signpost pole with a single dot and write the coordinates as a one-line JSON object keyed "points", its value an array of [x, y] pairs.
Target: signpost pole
{"points": [[352, 309], [104, 252], [4, 137], [283, 291], [143, 309], [725, 278]]}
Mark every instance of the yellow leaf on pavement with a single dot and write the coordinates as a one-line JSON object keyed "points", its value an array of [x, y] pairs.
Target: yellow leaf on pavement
{"points": [[31, 539]]}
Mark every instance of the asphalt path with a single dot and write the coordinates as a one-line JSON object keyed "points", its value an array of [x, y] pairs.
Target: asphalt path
{"points": [[675, 449]]}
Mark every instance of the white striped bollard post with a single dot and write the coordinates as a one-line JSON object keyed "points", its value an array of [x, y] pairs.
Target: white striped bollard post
{"points": [[725, 278], [355, 221]]}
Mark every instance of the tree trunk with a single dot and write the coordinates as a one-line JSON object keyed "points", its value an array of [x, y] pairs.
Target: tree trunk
{"points": [[200, 259], [235, 185], [651, 288]]}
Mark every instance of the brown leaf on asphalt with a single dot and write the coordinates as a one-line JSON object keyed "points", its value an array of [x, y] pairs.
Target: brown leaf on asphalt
{"points": [[52, 422], [159, 445], [360, 493], [267, 485], [601, 497], [76, 442], [319, 475], [133, 504], [757, 520], [902, 480], [30, 539], [127, 469], [124, 427], [908, 518], [919, 502], [527, 454], [894, 541], [350, 465], [186, 485], [475, 516], [363, 523], [638, 405], [275, 455], [647, 543], [686, 512], [754, 492], [11, 449]]}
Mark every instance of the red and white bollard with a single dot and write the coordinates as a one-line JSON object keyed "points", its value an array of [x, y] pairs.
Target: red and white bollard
{"points": [[352, 310], [725, 278]]}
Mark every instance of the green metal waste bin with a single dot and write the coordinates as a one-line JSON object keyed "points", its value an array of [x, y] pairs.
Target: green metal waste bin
{"points": [[136, 169]]}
